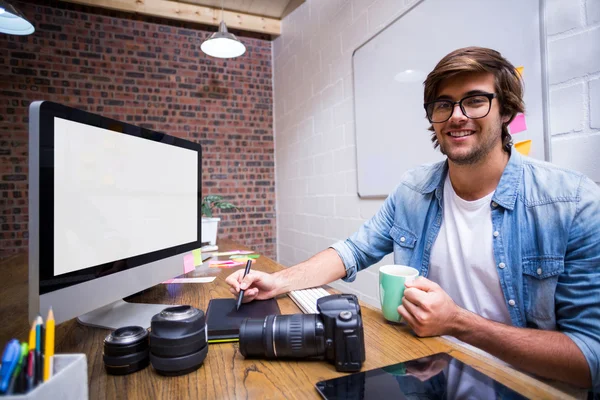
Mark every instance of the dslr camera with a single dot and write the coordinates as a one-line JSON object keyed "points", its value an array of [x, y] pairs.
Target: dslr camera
{"points": [[334, 334]]}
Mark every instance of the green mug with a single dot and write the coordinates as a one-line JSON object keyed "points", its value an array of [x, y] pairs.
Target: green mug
{"points": [[391, 288]]}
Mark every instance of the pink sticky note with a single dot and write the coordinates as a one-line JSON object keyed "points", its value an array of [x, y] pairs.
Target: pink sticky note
{"points": [[188, 263], [518, 124]]}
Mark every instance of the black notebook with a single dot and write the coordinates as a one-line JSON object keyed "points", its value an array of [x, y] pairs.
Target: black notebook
{"points": [[223, 320]]}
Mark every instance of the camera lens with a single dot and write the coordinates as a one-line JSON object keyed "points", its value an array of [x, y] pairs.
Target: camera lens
{"points": [[178, 343], [126, 350], [283, 336]]}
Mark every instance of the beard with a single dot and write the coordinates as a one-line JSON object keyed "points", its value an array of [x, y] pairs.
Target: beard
{"points": [[489, 140]]}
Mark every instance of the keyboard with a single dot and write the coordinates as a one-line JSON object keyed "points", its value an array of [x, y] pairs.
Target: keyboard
{"points": [[306, 299]]}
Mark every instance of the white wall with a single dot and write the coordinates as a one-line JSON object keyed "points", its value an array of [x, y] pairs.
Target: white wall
{"points": [[314, 132], [573, 28]]}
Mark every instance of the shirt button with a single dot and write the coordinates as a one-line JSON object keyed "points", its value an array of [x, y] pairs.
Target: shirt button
{"points": [[511, 302], [501, 265], [496, 233], [494, 204], [539, 271], [403, 239]]}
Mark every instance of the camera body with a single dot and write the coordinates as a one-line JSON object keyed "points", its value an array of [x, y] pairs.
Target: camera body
{"points": [[343, 328], [335, 334]]}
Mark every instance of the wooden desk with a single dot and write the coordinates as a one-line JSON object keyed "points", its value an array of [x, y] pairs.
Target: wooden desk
{"points": [[225, 373]]}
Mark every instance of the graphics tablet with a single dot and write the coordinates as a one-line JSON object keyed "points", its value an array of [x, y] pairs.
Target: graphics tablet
{"points": [[223, 320], [439, 376]]}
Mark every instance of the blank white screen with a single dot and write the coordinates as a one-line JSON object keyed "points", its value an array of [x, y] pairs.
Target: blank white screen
{"points": [[118, 196]]}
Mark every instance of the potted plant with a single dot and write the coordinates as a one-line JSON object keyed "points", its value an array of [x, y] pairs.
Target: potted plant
{"points": [[210, 224]]}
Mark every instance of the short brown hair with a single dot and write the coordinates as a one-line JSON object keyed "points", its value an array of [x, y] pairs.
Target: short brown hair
{"points": [[509, 87]]}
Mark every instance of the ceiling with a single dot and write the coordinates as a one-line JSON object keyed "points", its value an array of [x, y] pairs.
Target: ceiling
{"points": [[266, 8], [263, 16]]}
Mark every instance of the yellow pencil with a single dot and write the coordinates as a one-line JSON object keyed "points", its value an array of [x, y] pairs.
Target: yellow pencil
{"points": [[32, 335], [49, 346]]}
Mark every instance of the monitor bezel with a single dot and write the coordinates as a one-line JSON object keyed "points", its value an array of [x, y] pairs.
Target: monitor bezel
{"points": [[44, 235]]}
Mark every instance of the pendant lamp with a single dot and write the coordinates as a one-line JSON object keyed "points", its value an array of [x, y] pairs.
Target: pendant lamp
{"points": [[12, 21], [223, 44]]}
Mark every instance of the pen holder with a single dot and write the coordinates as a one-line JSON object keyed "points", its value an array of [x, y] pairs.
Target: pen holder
{"points": [[68, 381]]}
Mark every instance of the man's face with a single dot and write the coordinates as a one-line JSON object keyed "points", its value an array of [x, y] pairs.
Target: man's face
{"points": [[464, 140]]}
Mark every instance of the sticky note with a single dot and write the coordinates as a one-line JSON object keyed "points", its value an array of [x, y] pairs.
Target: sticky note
{"points": [[228, 253], [253, 256], [518, 124], [244, 260], [188, 263], [207, 279], [224, 264], [520, 70], [523, 147], [197, 257]]}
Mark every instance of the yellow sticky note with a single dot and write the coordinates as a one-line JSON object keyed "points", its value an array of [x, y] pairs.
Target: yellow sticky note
{"points": [[523, 147], [520, 70], [197, 257]]}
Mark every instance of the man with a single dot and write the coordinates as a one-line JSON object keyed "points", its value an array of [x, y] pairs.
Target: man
{"points": [[508, 248]]}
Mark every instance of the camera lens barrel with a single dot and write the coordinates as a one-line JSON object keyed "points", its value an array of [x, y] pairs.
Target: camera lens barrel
{"points": [[178, 340], [126, 350], [283, 336]]}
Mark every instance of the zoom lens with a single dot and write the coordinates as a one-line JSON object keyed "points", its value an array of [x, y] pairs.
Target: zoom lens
{"points": [[283, 336], [178, 340], [126, 350]]}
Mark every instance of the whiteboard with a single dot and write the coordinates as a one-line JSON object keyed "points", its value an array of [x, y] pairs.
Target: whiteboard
{"points": [[389, 70]]}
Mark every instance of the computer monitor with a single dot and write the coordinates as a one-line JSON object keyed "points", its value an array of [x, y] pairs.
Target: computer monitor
{"points": [[112, 209]]}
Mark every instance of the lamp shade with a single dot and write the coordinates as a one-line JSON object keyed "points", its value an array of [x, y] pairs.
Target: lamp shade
{"points": [[223, 44], [12, 21]]}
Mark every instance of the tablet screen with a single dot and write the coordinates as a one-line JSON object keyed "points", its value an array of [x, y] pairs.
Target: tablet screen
{"points": [[439, 376]]}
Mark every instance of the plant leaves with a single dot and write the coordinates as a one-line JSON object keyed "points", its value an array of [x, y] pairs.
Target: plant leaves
{"points": [[206, 211], [224, 205], [213, 198]]}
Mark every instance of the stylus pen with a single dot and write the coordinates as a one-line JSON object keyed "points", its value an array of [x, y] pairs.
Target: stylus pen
{"points": [[241, 294]]}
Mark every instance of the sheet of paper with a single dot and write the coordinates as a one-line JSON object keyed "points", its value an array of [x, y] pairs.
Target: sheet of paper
{"points": [[204, 279], [518, 124], [188, 263]]}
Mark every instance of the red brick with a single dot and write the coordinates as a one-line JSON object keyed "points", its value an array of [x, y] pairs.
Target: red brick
{"points": [[105, 59]]}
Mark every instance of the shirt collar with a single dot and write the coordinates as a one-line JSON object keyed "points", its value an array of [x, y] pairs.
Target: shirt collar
{"points": [[508, 187], [506, 191]]}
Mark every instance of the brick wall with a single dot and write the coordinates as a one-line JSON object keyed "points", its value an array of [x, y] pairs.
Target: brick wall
{"points": [[151, 73]]}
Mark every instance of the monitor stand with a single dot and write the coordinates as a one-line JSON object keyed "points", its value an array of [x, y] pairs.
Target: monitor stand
{"points": [[120, 314]]}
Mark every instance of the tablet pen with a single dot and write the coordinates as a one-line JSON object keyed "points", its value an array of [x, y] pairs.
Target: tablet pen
{"points": [[241, 294]]}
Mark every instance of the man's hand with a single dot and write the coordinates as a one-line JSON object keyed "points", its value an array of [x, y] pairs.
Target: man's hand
{"points": [[426, 368], [428, 309], [257, 285]]}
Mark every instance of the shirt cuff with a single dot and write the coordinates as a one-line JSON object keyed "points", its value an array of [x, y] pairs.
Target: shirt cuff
{"points": [[590, 355], [347, 256]]}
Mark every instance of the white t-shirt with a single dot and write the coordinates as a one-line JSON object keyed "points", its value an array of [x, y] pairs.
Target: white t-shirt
{"points": [[462, 257], [462, 263]]}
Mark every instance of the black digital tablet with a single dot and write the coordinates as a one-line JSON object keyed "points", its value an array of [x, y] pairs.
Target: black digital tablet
{"points": [[223, 320], [439, 376]]}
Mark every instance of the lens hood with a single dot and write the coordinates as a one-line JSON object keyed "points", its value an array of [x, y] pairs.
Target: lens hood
{"points": [[178, 342]]}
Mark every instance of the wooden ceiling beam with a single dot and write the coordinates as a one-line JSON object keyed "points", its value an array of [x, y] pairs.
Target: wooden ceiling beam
{"points": [[190, 13]]}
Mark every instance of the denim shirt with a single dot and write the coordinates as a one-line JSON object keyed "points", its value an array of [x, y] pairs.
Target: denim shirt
{"points": [[546, 239]]}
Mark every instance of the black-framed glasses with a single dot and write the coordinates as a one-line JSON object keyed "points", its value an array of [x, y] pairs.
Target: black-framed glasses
{"points": [[473, 107]]}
